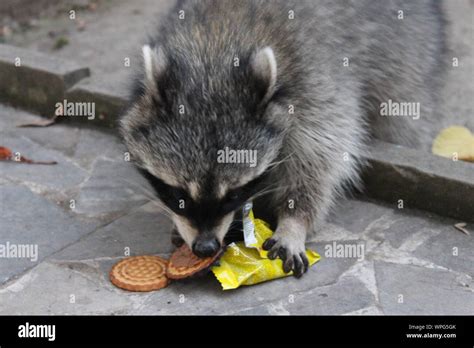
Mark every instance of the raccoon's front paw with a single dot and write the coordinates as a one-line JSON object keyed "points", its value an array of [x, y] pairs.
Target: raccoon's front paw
{"points": [[291, 251], [176, 239]]}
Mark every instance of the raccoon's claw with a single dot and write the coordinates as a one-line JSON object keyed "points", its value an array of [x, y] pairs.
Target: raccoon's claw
{"points": [[176, 239], [216, 263], [268, 244], [296, 262]]}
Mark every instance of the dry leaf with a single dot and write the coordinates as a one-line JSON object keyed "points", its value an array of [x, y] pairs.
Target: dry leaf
{"points": [[461, 227], [7, 155], [455, 140], [40, 123]]}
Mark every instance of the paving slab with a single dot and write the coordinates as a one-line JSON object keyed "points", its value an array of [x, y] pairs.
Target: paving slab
{"points": [[111, 187], [451, 249], [143, 231], [346, 296], [407, 289], [65, 175], [28, 219], [93, 144], [406, 228], [60, 137], [61, 289], [355, 216]]}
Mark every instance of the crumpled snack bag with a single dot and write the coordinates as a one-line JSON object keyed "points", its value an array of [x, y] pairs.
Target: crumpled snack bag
{"points": [[455, 141], [246, 263]]}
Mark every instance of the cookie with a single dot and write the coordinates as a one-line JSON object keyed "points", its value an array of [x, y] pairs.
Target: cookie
{"points": [[183, 263], [140, 273]]}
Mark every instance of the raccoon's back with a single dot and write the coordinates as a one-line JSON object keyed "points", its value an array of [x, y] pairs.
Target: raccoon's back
{"points": [[309, 37]]}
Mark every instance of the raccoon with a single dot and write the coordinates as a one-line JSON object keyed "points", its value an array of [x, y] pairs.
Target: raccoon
{"points": [[300, 83]]}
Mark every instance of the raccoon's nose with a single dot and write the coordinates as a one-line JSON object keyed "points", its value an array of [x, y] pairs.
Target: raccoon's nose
{"points": [[205, 247]]}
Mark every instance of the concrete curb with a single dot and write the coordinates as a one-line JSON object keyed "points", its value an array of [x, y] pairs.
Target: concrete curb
{"points": [[35, 81], [421, 180], [109, 103]]}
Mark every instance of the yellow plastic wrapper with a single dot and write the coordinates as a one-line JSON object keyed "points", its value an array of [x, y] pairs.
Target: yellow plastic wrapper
{"points": [[246, 263]]}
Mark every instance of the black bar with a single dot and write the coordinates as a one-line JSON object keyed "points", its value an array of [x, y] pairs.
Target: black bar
{"points": [[244, 330]]}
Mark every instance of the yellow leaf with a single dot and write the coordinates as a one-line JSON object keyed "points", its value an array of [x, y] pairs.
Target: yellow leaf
{"points": [[454, 142]]}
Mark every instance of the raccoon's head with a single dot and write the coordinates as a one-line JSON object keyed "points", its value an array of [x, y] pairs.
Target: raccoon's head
{"points": [[205, 133]]}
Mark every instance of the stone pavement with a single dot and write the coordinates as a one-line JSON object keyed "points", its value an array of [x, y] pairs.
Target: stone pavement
{"points": [[412, 262]]}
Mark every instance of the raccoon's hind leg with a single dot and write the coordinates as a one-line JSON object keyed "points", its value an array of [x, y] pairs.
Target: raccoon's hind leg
{"points": [[404, 104], [414, 131]]}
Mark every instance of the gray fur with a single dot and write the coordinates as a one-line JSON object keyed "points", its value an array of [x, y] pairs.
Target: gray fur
{"points": [[336, 109]]}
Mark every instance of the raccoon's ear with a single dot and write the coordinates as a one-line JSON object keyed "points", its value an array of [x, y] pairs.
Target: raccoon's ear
{"points": [[264, 68], [154, 63]]}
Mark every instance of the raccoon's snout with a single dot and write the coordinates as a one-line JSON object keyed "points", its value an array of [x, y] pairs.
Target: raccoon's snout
{"points": [[205, 246]]}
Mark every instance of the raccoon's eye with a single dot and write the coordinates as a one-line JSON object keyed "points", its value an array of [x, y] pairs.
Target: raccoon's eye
{"points": [[175, 198], [231, 201], [236, 195], [246, 191], [179, 196], [233, 196]]}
